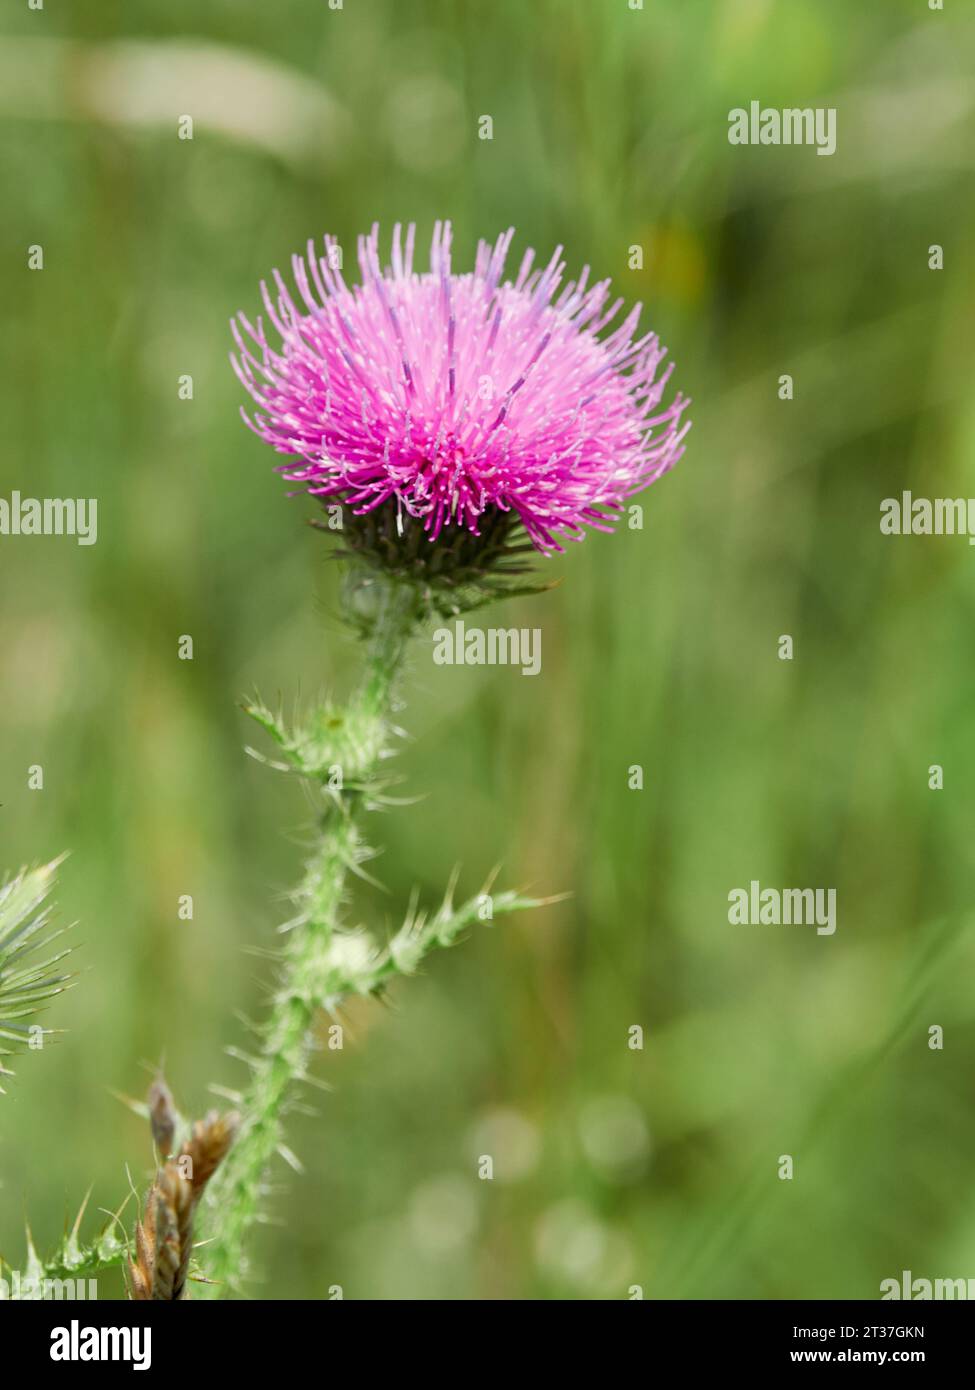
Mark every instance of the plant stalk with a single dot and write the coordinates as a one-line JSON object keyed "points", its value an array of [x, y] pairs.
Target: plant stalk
{"points": [[312, 968]]}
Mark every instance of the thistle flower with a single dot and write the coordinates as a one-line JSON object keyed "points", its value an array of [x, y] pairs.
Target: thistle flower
{"points": [[439, 415], [448, 408]]}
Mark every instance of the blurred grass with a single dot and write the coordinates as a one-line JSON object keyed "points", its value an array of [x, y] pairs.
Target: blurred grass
{"points": [[612, 1167]]}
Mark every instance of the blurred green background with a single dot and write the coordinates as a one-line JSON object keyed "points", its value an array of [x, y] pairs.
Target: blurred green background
{"points": [[613, 1167]]}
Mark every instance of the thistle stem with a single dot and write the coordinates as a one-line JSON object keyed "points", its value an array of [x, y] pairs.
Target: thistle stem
{"points": [[312, 972], [338, 751]]}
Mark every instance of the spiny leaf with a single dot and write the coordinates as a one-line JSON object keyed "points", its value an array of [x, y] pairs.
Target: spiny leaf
{"points": [[27, 983]]}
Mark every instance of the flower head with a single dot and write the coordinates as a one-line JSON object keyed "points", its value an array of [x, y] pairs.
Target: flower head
{"points": [[458, 402]]}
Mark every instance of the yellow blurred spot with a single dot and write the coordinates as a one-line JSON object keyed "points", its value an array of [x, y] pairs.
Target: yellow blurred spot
{"points": [[674, 264]]}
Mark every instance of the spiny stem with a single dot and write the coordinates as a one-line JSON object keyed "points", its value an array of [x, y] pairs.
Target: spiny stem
{"points": [[311, 972], [338, 752], [236, 1190]]}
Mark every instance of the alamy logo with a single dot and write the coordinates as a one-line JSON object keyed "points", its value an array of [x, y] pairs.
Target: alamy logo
{"points": [[926, 516], [50, 516], [493, 646], [803, 907], [77, 1343], [791, 126], [923, 1289], [26, 1288]]}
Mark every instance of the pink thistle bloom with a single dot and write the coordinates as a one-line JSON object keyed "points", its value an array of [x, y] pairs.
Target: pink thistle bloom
{"points": [[450, 396]]}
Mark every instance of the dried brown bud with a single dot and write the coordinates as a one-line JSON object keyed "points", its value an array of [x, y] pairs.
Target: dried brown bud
{"points": [[164, 1237], [162, 1116]]}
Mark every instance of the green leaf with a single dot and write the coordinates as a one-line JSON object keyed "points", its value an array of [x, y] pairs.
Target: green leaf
{"points": [[29, 980]]}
